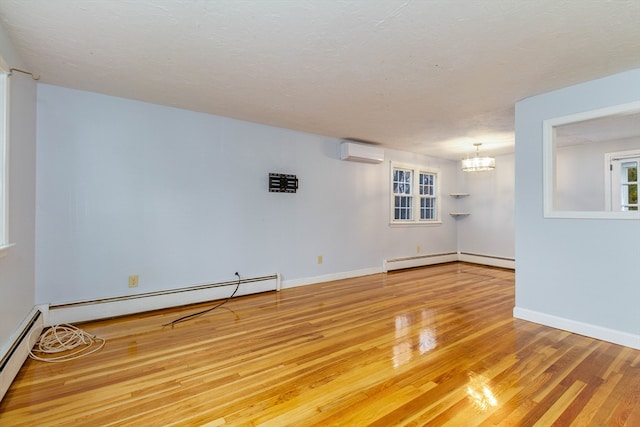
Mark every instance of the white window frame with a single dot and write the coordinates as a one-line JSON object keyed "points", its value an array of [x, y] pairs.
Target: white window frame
{"points": [[4, 159], [416, 171], [612, 181], [549, 163]]}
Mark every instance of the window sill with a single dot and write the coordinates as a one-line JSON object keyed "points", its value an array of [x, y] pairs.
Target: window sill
{"points": [[4, 249], [593, 215], [415, 224]]}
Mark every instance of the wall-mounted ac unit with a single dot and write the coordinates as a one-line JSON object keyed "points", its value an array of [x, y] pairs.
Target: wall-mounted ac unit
{"points": [[366, 153]]}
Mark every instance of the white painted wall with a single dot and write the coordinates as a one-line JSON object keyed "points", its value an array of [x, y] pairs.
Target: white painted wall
{"points": [[489, 229], [8, 51], [17, 281], [579, 273], [180, 198]]}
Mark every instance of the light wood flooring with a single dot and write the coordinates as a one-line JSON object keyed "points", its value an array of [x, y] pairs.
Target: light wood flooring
{"points": [[431, 346]]}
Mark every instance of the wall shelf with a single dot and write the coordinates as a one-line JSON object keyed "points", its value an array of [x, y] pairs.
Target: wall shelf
{"points": [[459, 214]]}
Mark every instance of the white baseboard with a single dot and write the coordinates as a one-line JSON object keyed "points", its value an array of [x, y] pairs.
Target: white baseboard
{"points": [[417, 261], [592, 331], [424, 260], [110, 307], [83, 311], [329, 277], [406, 262], [23, 340], [489, 260]]}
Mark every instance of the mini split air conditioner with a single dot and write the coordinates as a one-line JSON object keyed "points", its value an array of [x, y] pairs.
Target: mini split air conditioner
{"points": [[366, 153]]}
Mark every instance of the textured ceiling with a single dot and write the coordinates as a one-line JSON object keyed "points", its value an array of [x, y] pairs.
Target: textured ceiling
{"points": [[430, 76]]}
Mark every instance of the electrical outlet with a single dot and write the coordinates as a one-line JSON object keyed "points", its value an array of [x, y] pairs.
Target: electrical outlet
{"points": [[417, 249], [319, 259], [133, 281]]}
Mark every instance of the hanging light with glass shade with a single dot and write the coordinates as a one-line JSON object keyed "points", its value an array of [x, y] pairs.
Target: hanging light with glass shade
{"points": [[477, 163]]}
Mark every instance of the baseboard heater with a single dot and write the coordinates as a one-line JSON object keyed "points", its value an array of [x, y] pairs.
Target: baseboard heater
{"points": [[18, 352], [490, 260], [129, 304], [418, 261], [424, 260]]}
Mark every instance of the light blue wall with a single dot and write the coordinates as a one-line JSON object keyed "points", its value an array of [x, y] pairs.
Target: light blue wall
{"points": [[580, 270], [180, 198]]}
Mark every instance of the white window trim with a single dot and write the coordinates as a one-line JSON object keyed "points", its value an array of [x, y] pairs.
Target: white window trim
{"points": [[609, 158], [4, 160], [549, 166], [416, 221]]}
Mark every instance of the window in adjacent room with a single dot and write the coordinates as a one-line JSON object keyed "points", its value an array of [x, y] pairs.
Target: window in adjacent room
{"points": [[621, 181], [414, 195]]}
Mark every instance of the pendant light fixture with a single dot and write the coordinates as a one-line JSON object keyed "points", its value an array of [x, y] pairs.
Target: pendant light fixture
{"points": [[477, 163]]}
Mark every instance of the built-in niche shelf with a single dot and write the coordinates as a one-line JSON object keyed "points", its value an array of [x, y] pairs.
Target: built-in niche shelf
{"points": [[459, 214]]}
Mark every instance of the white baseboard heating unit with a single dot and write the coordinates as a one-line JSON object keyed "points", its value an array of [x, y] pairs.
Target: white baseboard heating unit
{"points": [[490, 260], [129, 304], [418, 261], [424, 260], [18, 351]]}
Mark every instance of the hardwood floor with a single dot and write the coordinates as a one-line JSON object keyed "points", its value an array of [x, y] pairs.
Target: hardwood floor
{"points": [[432, 346]]}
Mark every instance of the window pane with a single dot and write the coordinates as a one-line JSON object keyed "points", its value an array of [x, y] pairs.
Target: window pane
{"points": [[401, 181], [629, 172], [427, 208], [629, 185], [632, 193], [427, 186], [395, 180], [629, 194], [407, 182], [403, 208]]}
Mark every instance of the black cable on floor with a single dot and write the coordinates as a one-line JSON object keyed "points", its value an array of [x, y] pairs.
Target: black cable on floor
{"points": [[191, 316]]}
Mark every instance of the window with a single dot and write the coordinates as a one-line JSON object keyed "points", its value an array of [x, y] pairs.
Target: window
{"points": [[4, 159], [621, 181], [629, 186], [402, 194], [427, 196], [414, 195]]}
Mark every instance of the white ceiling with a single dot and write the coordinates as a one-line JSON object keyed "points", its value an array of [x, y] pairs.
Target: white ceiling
{"points": [[430, 76]]}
